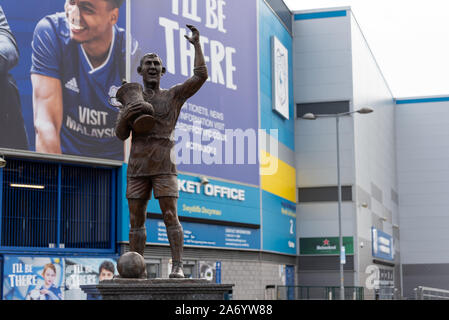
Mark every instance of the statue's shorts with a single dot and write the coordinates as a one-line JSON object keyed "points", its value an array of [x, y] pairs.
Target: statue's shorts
{"points": [[162, 186]]}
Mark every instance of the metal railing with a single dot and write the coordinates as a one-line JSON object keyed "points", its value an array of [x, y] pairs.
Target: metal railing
{"points": [[314, 292], [427, 293]]}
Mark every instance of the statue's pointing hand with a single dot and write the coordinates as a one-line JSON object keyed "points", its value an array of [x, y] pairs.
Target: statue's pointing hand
{"points": [[195, 38]]}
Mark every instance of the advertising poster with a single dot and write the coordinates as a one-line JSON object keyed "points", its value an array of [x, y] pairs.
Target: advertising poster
{"points": [[63, 62], [33, 278], [217, 129], [324, 246], [53, 278], [85, 271]]}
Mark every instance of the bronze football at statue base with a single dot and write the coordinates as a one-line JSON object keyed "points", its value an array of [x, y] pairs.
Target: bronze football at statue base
{"points": [[131, 265]]}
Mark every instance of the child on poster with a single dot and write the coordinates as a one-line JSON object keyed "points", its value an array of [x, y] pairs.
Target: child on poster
{"points": [[48, 291]]}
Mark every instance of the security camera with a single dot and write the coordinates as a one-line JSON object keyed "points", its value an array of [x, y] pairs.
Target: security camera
{"points": [[2, 162]]}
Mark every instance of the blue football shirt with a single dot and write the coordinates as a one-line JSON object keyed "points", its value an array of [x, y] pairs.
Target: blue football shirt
{"points": [[88, 118]]}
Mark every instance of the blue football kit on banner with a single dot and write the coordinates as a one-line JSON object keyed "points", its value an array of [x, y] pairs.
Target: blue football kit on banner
{"points": [[88, 118]]}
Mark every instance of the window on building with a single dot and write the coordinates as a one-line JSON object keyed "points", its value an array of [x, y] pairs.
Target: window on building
{"points": [[51, 205], [319, 194], [330, 107], [190, 269], [153, 268]]}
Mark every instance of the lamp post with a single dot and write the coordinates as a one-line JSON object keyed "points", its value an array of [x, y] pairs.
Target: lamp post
{"points": [[311, 116]]}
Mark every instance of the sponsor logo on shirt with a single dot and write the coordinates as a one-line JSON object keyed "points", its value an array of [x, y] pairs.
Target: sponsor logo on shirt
{"points": [[72, 85]]}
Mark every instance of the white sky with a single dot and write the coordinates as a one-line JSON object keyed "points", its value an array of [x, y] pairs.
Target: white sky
{"points": [[409, 39]]}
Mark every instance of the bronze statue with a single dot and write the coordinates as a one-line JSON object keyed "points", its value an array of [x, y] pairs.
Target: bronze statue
{"points": [[150, 166]]}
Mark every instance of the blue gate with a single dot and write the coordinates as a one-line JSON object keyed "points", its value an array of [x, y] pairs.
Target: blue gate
{"points": [[57, 206]]}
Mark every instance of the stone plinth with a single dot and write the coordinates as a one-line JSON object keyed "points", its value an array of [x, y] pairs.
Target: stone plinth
{"points": [[158, 289]]}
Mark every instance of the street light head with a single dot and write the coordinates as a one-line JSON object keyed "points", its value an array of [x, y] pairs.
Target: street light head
{"points": [[2, 162], [309, 116], [365, 110]]}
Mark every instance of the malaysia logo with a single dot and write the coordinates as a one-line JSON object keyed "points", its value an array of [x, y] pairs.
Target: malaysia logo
{"points": [[72, 85]]}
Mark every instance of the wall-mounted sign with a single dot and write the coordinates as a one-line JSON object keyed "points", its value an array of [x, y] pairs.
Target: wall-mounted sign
{"points": [[378, 277], [328, 245], [343, 255], [206, 235], [280, 77], [382, 245], [279, 224], [216, 200]]}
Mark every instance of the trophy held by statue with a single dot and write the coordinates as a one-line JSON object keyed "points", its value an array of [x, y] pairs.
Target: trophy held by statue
{"points": [[130, 95]]}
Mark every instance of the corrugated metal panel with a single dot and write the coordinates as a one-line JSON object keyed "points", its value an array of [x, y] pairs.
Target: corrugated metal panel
{"points": [[324, 263], [282, 11], [215, 254], [51, 205]]}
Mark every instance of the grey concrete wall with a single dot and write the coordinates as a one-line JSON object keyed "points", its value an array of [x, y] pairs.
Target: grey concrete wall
{"points": [[251, 278], [375, 156], [427, 275], [323, 73]]}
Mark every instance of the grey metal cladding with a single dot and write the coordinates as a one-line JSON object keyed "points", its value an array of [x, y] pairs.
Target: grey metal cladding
{"points": [[282, 11], [328, 263], [394, 197], [376, 192]]}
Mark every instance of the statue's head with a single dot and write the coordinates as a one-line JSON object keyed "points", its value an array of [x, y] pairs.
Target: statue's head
{"points": [[151, 68]]}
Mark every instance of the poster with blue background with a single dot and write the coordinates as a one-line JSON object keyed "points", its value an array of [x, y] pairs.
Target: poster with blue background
{"points": [[227, 103], [86, 271], [53, 277], [33, 278], [92, 117]]}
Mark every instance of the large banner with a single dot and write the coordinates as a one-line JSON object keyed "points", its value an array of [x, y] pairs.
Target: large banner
{"points": [[53, 278], [33, 278], [217, 128], [60, 63]]}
